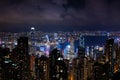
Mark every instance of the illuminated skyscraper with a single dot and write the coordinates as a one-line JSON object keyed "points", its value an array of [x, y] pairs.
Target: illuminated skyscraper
{"points": [[32, 41], [71, 51]]}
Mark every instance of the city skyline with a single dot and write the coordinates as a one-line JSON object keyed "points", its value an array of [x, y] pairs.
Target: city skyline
{"points": [[18, 64], [59, 15]]}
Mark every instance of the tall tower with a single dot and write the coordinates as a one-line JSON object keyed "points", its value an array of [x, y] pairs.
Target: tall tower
{"points": [[81, 62], [72, 45], [32, 41], [80, 65], [23, 59], [71, 54], [32, 33], [109, 54]]}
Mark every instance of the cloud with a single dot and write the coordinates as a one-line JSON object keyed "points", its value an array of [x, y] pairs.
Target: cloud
{"points": [[60, 12]]}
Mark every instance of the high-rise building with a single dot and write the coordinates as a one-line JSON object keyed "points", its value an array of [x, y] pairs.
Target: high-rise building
{"points": [[54, 55], [61, 69], [110, 55], [22, 59], [80, 69], [42, 68], [5, 64], [58, 69], [23, 45], [71, 50], [32, 65], [80, 65], [81, 52], [32, 41]]}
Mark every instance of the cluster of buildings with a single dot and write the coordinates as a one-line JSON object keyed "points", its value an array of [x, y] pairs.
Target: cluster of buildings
{"points": [[57, 56]]}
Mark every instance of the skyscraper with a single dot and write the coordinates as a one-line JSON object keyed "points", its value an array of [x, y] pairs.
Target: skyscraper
{"points": [[58, 69], [32, 41], [23, 45], [22, 59], [109, 55], [5, 64], [42, 68], [54, 55]]}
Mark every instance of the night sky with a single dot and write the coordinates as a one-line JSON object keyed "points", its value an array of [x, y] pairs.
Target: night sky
{"points": [[57, 15]]}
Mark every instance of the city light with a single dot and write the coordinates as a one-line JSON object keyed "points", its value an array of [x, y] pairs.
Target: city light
{"points": [[33, 28], [64, 57], [68, 46]]}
